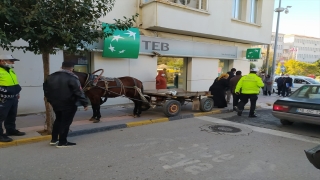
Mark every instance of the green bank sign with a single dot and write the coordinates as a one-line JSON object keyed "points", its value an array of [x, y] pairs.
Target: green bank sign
{"points": [[122, 44], [253, 53]]}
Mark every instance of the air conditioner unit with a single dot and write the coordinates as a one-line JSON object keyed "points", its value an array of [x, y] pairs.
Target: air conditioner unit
{"points": [[182, 2]]}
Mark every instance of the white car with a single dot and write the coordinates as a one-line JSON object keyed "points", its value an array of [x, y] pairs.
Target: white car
{"points": [[297, 81]]}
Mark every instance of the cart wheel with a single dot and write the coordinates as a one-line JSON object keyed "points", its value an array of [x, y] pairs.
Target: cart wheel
{"points": [[206, 104], [171, 108], [146, 106]]}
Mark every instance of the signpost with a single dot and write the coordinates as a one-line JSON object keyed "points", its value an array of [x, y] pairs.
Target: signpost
{"points": [[253, 53]]}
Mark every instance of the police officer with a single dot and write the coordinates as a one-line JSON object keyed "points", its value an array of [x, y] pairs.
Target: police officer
{"points": [[9, 95], [250, 87]]}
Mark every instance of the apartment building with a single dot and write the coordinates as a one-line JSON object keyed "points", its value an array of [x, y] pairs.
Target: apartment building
{"points": [[302, 48], [204, 37]]}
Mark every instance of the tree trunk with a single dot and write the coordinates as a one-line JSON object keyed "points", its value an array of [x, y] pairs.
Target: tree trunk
{"points": [[49, 110]]}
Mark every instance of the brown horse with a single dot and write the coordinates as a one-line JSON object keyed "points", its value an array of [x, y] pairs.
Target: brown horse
{"points": [[110, 88]]}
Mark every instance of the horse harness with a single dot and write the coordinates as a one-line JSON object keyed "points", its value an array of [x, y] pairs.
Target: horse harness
{"points": [[90, 83]]}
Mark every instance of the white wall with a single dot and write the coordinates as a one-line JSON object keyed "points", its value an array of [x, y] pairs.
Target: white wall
{"points": [[217, 21], [201, 73], [30, 75]]}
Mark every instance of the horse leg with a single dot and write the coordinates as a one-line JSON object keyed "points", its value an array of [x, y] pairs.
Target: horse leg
{"points": [[98, 114], [139, 103], [135, 109], [93, 113]]}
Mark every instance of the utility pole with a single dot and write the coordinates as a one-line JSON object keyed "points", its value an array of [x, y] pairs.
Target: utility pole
{"points": [[267, 59]]}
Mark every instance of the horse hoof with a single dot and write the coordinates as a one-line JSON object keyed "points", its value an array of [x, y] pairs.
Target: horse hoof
{"points": [[96, 121], [92, 119]]}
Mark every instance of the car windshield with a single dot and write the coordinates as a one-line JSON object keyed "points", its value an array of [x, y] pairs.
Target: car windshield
{"points": [[307, 92], [312, 81]]}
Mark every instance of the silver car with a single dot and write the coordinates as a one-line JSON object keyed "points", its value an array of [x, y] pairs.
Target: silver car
{"points": [[301, 106]]}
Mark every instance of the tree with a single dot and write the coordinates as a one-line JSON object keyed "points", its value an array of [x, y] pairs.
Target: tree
{"points": [[295, 67], [317, 64], [252, 65], [51, 25]]}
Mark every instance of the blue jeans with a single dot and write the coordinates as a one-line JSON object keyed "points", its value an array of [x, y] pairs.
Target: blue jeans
{"points": [[8, 113]]}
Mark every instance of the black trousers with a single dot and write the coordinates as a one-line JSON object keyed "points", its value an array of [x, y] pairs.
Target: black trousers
{"points": [[8, 113], [62, 124], [279, 90], [236, 99], [244, 98], [285, 91]]}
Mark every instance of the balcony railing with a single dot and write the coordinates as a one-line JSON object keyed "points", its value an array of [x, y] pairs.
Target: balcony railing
{"points": [[195, 4]]}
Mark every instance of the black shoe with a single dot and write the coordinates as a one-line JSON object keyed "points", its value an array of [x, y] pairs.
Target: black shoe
{"points": [[253, 116], [15, 133], [5, 138], [239, 112], [53, 142], [68, 144]]}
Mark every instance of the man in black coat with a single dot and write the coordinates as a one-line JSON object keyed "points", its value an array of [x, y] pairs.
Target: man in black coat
{"points": [[280, 82], [287, 84], [63, 91], [228, 91]]}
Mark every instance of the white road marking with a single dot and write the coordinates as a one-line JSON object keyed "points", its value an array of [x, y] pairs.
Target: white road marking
{"points": [[262, 130]]}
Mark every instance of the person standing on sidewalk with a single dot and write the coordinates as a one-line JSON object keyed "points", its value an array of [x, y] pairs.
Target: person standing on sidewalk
{"points": [[233, 83], [267, 86], [9, 95], [250, 86], [63, 91], [228, 91], [280, 82], [287, 84]]}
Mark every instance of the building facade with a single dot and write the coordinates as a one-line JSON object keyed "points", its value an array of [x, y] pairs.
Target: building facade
{"points": [[194, 40], [302, 48]]}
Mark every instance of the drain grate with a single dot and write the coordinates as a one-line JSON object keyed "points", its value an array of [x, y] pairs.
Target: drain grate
{"points": [[225, 129]]}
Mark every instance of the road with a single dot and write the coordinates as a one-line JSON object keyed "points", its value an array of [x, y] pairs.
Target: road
{"points": [[266, 120], [185, 149]]}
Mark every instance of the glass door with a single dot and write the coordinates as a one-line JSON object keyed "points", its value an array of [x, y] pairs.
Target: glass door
{"points": [[175, 70]]}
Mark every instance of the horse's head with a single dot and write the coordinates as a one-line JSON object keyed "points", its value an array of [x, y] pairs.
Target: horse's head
{"points": [[82, 77]]}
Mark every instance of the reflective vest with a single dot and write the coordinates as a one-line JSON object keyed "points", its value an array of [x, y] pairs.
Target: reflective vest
{"points": [[8, 78], [249, 84]]}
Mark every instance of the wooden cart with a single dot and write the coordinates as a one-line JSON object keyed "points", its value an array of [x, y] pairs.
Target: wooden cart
{"points": [[172, 99]]}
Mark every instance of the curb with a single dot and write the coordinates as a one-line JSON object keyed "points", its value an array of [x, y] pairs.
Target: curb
{"points": [[112, 127]]}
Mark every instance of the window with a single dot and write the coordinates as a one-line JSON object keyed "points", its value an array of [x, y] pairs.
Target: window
{"points": [[237, 9], [196, 4], [254, 10]]}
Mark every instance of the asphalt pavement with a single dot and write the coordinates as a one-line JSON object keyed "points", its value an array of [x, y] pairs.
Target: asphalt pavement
{"points": [[206, 148]]}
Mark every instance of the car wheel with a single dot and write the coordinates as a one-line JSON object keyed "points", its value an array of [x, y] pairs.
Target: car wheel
{"points": [[286, 122]]}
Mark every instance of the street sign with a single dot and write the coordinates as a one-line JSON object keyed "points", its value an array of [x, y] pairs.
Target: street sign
{"points": [[253, 53], [283, 69]]}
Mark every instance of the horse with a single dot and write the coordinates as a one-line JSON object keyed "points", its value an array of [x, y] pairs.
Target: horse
{"points": [[98, 87]]}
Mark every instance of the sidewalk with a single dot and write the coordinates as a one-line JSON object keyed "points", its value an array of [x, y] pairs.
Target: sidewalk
{"points": [[114, 117]]}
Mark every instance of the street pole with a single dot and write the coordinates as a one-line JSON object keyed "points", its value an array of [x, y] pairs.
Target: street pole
{"points": [[267, 60], [275, 44]]}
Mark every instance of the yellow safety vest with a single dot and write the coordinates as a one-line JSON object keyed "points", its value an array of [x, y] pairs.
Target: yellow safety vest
{"points": [[8, 78]]}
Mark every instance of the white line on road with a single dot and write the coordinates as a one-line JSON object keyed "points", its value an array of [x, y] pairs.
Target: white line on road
{"points": [[263, 130]]}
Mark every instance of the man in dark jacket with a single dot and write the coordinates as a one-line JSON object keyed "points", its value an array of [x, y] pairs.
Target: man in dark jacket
{"points": [[228, 91], [287, 84], [280, 82], [63, 90], [9, 95], [233, 83]]}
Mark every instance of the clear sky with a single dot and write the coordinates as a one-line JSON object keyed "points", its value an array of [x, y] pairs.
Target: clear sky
{"points": [[303, 18]]}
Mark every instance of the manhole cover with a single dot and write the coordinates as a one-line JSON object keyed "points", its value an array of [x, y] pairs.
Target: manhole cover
{"points": [[226, 129]]}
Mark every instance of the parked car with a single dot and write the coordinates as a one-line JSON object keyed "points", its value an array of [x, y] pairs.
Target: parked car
{"points": [[301, 106], [297, 81]]}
